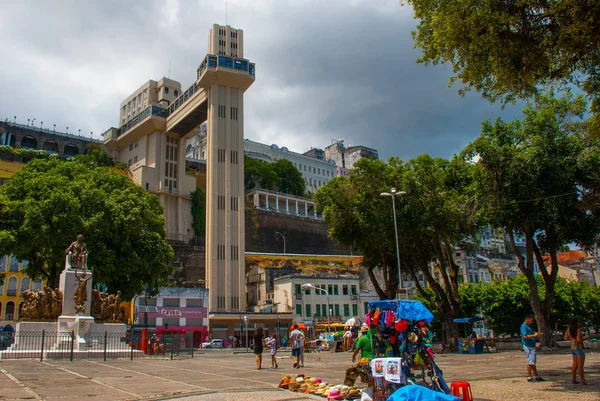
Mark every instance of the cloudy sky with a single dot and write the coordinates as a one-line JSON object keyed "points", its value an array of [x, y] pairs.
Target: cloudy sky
{"points": [[325, 69]]}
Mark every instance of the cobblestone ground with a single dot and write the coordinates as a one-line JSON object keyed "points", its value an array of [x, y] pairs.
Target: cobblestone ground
{"points": [[224, 376]]}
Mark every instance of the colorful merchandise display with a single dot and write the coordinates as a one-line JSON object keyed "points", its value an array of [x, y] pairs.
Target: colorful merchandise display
{"points": [[402, 344]]}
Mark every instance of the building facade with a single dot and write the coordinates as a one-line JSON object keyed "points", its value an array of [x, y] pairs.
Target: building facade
{"points": [[15, 283], [153, 144], [346, 157], [316, 172], [182, 310], [337, 297], [281, 203], [49, 140]]}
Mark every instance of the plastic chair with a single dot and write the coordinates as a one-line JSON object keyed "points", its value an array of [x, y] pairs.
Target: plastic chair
{"points": [[461, 390]]}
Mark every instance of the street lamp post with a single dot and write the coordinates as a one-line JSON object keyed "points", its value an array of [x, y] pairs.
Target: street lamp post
{"points": [[282, 236], [306, 286], [393, 193], [246, 319], [278, 330]]}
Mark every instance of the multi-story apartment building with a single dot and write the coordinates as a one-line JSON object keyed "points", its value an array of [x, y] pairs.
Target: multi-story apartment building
{"points": [[15, 283], [492, 240], [345, 157]]}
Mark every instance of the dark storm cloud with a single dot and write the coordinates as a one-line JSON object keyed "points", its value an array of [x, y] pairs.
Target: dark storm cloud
{"points": [[325, 70]]}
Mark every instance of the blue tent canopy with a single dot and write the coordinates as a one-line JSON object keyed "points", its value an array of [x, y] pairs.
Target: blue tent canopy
{"points": [[469, 319], [405, 309], [8, 327]]}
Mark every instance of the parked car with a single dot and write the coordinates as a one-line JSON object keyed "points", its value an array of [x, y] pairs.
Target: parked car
{"points": [[217, 343]]}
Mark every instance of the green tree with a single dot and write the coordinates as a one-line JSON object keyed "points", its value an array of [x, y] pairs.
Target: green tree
{"points": [[433, 220], [280, 176], [48, 203], [259, 174], [290, 179], [529, 180], [198, 198], [508, 50]]}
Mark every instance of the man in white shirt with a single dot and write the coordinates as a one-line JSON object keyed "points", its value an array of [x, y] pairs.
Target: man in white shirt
{"points": [[295, 337]]}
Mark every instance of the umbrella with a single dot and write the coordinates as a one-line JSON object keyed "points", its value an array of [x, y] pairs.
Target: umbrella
{"points": [[353, 321], [301, 326], [8, 327]]}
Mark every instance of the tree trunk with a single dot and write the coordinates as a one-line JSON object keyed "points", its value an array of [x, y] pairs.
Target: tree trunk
{"points": [[375, 283], [53, 277]]}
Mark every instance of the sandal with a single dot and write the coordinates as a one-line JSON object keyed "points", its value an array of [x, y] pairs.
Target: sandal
{"points": [[574, 382]]}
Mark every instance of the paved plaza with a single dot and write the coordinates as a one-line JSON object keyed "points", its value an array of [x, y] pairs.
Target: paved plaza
{"points": [[223, 375]]}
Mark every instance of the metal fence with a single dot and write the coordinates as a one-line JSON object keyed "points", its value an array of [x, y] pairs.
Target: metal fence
{"points": [[39, 345], [171, 345], [67, 345]]}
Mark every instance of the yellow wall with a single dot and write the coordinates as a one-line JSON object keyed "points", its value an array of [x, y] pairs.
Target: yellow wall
{"points": [[8, 265]]}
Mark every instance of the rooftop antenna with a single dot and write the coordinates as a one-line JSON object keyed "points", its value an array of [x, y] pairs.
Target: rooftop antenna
{"points": [[169, 67], [225, 13]]}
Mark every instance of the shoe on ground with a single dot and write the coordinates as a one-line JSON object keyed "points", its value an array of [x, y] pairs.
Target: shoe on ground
{"points": [[540, 379], [531, 380]]}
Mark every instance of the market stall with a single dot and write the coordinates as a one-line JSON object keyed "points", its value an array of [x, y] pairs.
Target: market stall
{"points": [[470, 344], [401, 343]]}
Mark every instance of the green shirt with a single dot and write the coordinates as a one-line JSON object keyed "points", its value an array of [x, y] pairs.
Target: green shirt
{"points": [[364, 344]]}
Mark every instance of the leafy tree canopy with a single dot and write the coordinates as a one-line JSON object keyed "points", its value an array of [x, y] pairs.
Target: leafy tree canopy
{"points": [[536, 177], [433, 220], [48, 203], [508, 49], [280, 176]]}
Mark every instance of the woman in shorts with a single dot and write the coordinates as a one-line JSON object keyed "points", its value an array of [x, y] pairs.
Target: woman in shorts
{"points": [[574, 335]]}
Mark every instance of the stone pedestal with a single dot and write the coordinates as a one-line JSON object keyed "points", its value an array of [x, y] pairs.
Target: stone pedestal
{"points": [[68, 284], [88, 335], [70, 319]]}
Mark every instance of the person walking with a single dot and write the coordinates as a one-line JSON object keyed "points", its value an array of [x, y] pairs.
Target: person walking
{"points": [[363, 345], [273, 344], [301, 355], [295, 337], [574, 335], [528, 337], [258, 346]]}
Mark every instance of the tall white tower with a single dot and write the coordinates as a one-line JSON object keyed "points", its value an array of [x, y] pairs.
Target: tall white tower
{"points": [[225, 75]]}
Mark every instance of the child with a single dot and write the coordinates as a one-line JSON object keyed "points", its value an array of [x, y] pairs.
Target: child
{"points": [[273, 343]]}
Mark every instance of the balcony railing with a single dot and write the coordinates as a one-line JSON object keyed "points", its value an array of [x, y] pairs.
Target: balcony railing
{"points": [[212, 61], [151, 110], [11, 292], [182, 99]]}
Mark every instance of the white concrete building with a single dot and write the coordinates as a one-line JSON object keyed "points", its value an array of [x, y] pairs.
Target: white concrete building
{"points": [[312, 305]]}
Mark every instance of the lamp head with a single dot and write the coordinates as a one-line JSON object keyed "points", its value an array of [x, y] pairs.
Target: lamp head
{"points": [[306, 286]]}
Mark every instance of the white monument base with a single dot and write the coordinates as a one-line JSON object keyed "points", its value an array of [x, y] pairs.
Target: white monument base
{"points": [[75, 333]]}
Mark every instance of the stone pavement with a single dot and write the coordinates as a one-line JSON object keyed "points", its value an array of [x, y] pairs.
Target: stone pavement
{"points": [[224, 376]]}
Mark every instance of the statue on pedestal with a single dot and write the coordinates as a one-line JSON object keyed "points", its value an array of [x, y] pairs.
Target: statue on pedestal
{"points": [[80, 296], [78, 257]]}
